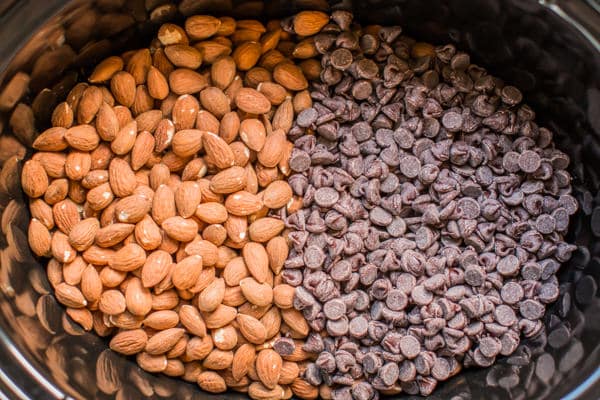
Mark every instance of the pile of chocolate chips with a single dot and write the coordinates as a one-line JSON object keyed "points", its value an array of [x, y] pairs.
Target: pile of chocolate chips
{"points": [[434, 210]]}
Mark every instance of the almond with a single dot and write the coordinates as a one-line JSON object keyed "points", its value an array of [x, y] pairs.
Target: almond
{"points": [[91, 285], [192, 320], [100, 197], [62, 116], [225, 339], [113, 234], [128, 258], [171, 34], [122, 86], [263, 229], [89, 104], [52, 139], [251, 328], [155, 268], [184, 112], [295, 320], [148, 121], [220, 317], [77, 165], [163, 341], [151, 363], [268, 367], [186, 272], [273, 150], [129, 342], [139, 64], [138, 299], [69, 296], [290, 76], [194, 170], [283, 296], [107, 124], [212, 49], [184, 56], [125, 139], [308, 23], [222, 72], [39, 238], [212, 296], [163, 204], [218, 359], [246, 55], [132, 209], [253, 133], [212, 212], [235, 271], [34, 179], [185, 81], [66, 215], [57, 191], [158, 86], [241, 154], [82, 316], [252, 101], [257, 391], [272, 322], [260, 294], [243, 203], [218, 150], [200, 27], [229, 180], [165, 130], [284, 116], [256, 259], [237, 228], [242, 361], [277, 194], [274, 92], [211, 382], [163, 319], [187, 142], [106, 69], [53, 163], [179, 228], [83, 233], [215, 101], [112, 302]]}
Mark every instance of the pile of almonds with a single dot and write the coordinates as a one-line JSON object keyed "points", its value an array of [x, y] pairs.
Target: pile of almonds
{"points": [[159, 195]]}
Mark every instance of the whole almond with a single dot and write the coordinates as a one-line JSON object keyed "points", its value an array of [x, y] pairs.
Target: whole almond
{"points": [[295, 320], [62, 116], [91, 285], [235, 271], [69, 296], [229, 180], [223, 71], [57, 191], [290, 76], [52, 163], [218, 359], [277, 194], [243, 359], [66, 215], [39, 238], [107, 124], [241, 153], [186, 272], [128, 258], [260, 294], [89, 104], [163, 204], [77, 165], [158, 86], [142, 150], [163, 341], [253, 133], [151, 363], [105, 70], [233, 296], [122, 86], [82, 316], [307, 23], [272, 151], [243, 203], [251, 328], [161, 320], [83, 233], [258, 391], [213, 49], [165, 130], [225, 338], [112, 302], [284, 116], [211, 297], [139, 64], [252, 101], [148, 121], [125, 139], [52, 139], [264, 229], [212, 212], [192, 320], [110, 235], [34, 179], [155, 268], [257, 261], [132, 209], [215, 101], [100, 197], [187, 142], [171, 34], [194, 170], [182, 55], [215, 233], [185, 81], [268, 367], [211, 382], [129, 342], [273, 91], [184, 112], [179, 228], [246, 55], [237, 228], [283, 296], [272, 322], [218, 150], [220, 317], [200, 27]]}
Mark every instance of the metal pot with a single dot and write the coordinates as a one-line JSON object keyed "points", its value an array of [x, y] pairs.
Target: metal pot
{"points": [[549, 49]]}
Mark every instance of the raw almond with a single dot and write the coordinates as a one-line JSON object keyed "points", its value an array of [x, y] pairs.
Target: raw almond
{"points": [[213, 49], [243, 203], [253, 133], [211, 297], [246, 55], [237, 228], [34, 179], [307, 23], [295, 320], [138, 299], [69, 296], [139, 64], [268, 367], [186, 272], [39, 238], [230, 180], [185, 81], [211, 382], [66, 215], [205, 249], [200, 27], [160, 320], [83, 233], [223, 71], [163, 341], [125, 139], [283, 296], [163, 204], [90, 103], [122, 86], [252, 329], [212, 212], [151, 363], [107, 124], [225, 338], [62, 116], [277, 194], [235, 270], [132, 209], [218, 150], [155, 268], [222, 316], [274, 92], [252, 101], [128, 258], [272, 151], [284, 116], [112, 302], [272, 322], [215, 101], [52, 139], [290, 76], [106, 69], [184, 112], [171, 34], [165, 130], [129, 342], [187, 142], [264, 229], [192, 320], [260, 294], [142, 150], [256, 259], [187, 198], [218, 359], [242, 361], [158, 86], [184, 56]]}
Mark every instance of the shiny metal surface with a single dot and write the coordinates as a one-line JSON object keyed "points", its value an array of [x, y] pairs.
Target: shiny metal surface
{"points": [[549, 49]]}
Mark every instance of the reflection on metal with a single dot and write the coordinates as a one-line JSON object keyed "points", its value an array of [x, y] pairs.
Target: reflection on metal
{"points": [[551, 53]]}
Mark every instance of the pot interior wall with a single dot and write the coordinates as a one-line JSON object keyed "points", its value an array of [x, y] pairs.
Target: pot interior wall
{"points": [[45, 354]]}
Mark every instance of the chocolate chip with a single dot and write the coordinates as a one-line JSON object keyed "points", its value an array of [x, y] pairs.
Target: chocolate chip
{"points": [[531, 309], [410, 346], [334, 309], [505, 315], [529, 161], [508, 266], [511, 293], [326, 197]]}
